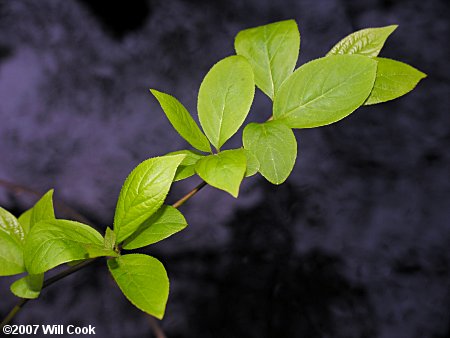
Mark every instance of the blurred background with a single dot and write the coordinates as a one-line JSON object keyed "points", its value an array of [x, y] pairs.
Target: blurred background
{"points": [[354, 244]]}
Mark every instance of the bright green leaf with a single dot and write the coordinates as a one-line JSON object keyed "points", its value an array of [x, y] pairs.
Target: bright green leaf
{"points": [[366, 42], [272, 50], [225, 97], [11, 226], [187, 166], [110, 239], [11, 246], [252, 164], [394, 79], [28, 287], [274, 146], [224, 170], [325, 90], [182, 121], [11, 255], [164, 223], [143, 193], [143, 280], [43, 209], [54, 242], [25, 220]]}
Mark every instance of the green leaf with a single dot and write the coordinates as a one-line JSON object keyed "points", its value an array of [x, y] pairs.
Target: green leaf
{"points": [[25, 220], [164, 223], [394, 79], [224, 170], [143, 193], [366, 42], [182, 121], [225, 97], [272, 50], [43, 209], [110, 239], [54, 242], [274, 146], [325, 90], [11, 255], [28, 287], [143, 280], [187, 166], [252, 164], [11, 246], [11, 226]]}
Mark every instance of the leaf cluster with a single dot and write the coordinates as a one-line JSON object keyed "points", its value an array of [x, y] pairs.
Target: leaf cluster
{"points": [[315, 94]]}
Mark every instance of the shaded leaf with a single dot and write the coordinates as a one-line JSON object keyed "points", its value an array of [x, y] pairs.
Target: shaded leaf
{"points": [[252, 163], [187, 166], [28, 287]]}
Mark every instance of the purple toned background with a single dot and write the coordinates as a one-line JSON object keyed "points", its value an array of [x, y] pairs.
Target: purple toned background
{"points": [[354, 244]]}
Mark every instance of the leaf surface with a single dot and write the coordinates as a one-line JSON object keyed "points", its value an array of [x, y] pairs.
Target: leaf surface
{"points": [[187, 166], [143, 193], [275, 147], [28, 287], [11, 246], [224, 170], [164, 223], [53, 242], [182, 121], [325, 90], [225, 97], [394, 79], [272, 50], [143, 280], [368, 42]]}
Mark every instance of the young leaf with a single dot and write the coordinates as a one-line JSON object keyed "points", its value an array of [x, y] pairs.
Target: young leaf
{"points": [[143, 192], [143, 280], [252, 163], [187, 166], [325, 90], [224, 170], [164, 223], [28, 287], [225, 97], [272, 50], [366, 42], [25, 220], [11, 247], [43, 209], [182, 121], [11, 255], [54, 242], [394, 79], [274, 146], [110, 239], [11, 226]]}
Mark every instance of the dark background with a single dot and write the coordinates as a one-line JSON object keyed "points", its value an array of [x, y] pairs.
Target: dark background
{"points": [[354, 244]]}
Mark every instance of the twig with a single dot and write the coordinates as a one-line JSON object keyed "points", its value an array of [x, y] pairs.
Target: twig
{"points": [[63, 207]]}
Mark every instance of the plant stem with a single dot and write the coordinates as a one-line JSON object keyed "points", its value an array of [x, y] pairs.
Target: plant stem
{"points": [[21, 303]]}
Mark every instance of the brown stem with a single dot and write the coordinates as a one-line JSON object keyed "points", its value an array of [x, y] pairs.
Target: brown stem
{"points": [[69, 271]]}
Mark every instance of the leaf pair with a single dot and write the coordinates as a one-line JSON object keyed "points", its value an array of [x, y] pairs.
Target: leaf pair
{"points": [[224, 100]]}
